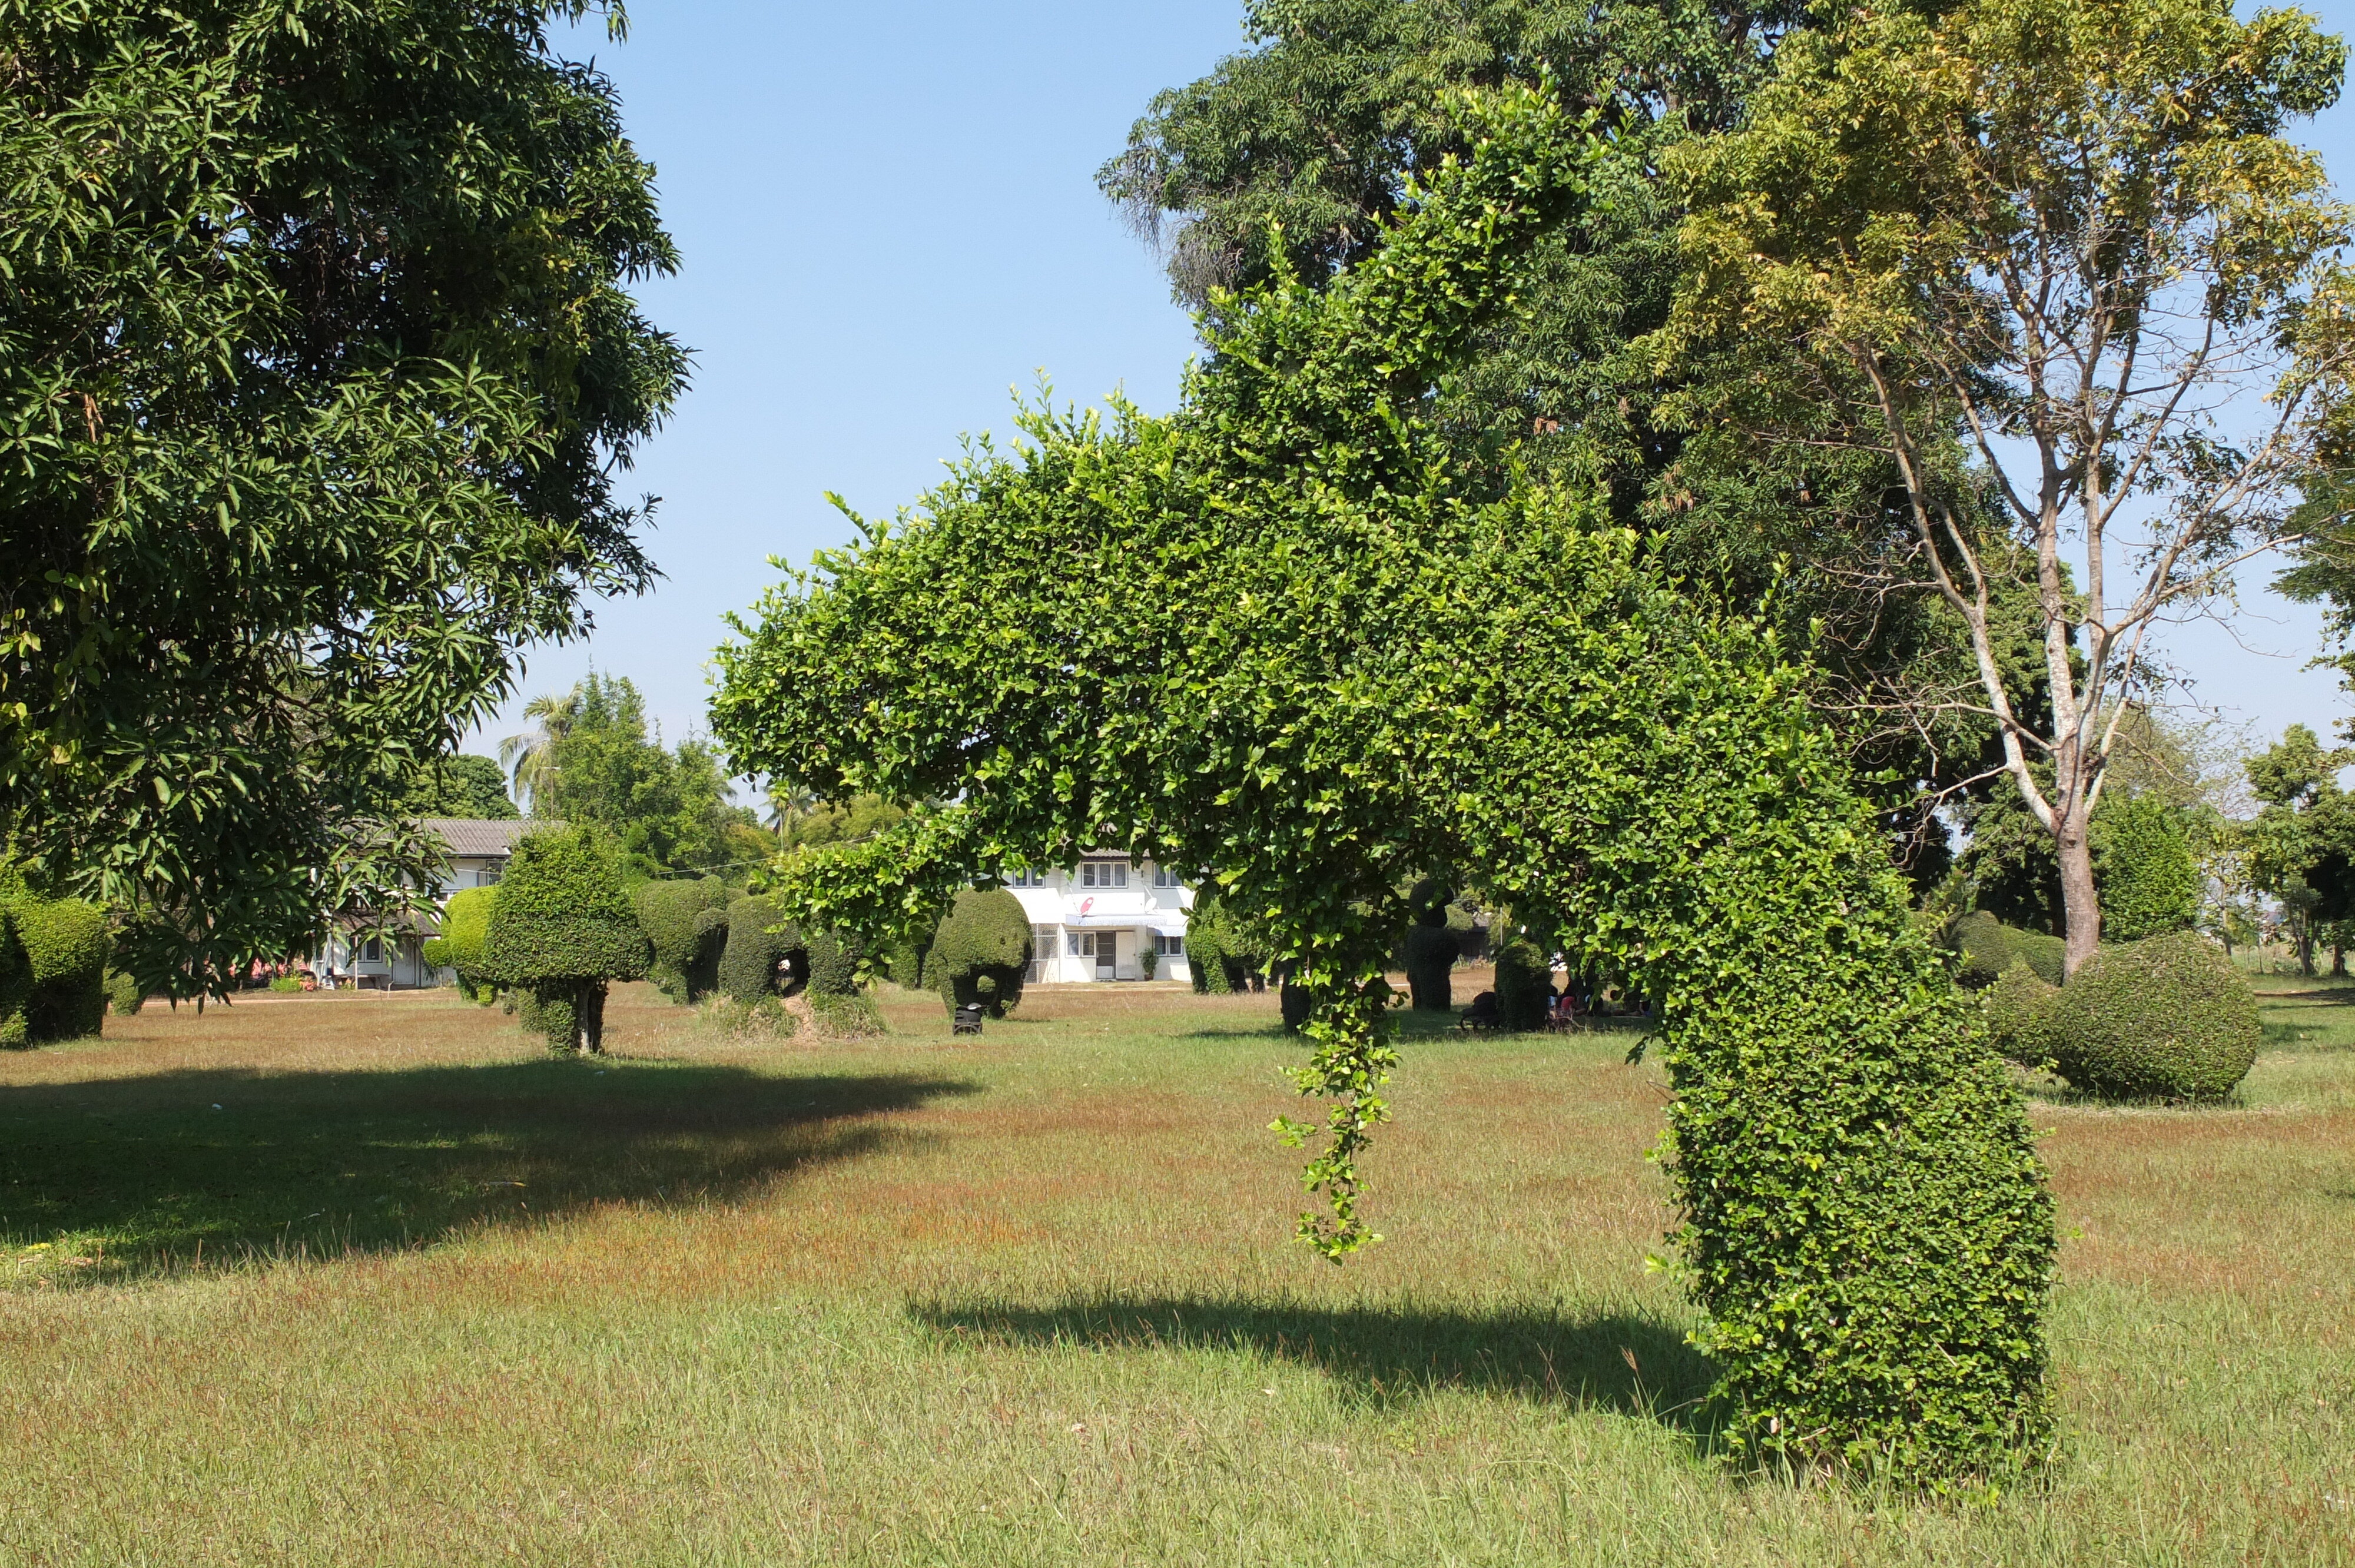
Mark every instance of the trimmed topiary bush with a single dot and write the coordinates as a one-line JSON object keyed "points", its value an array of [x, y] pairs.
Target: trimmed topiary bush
{"points": [[982, 952], [561, 930], [1985, 947], [687, 922], [465, 923], [53, 976], [1524, 985], [125, 996], [2167, 1018], [755, 957]]}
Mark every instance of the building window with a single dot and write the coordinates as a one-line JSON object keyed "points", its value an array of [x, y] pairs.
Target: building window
{"points": [[1027, 878], [1076, 950], [488, 876], [1163, 877], [372, 950], [1168, 945], [1104, 874]]}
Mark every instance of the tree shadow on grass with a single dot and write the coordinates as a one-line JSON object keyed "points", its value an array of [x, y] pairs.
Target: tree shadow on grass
{"points": [[1630, 1363], [198, 1167]]}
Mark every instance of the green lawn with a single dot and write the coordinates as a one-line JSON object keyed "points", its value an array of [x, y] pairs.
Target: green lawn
{"points": [[362, 1279]]}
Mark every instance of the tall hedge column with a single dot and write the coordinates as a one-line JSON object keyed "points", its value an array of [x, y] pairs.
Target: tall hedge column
{"points": [[562, 931]]}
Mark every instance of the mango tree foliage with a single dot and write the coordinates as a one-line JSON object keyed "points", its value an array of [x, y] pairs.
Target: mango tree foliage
{"points": [[316, 368], [1280, 636], [2072, 233]]}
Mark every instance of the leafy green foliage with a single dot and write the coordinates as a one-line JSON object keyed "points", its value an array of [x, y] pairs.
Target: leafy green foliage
{"points": [[2301, 847], [1341, 659], [1985, 948], [470, 788], [2020, 1013], [982, 952], [2150, 882], [667, 810], [2168, 1018], [560, 929], [1223, 952], [465, 924], [317, 373], [687, 922]]}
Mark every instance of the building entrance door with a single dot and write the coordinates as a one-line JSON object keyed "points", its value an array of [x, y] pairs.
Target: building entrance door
{"points": [[1107, 954]]}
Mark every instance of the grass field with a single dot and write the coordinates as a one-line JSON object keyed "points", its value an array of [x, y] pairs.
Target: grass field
{"points": [[358, 1279]]}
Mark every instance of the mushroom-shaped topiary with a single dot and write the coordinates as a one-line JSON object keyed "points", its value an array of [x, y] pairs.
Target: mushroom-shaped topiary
{"points": [[982, 952], [758, 948], [561, 931]]}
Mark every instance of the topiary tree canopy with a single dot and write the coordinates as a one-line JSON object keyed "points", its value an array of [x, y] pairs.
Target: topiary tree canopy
{"points": [[982, 952], [1341, 658], [562, 930], [466, 924], [686, 921]]}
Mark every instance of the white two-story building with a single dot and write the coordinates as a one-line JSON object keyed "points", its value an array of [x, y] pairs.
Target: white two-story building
{"points": [[1097, 919]]}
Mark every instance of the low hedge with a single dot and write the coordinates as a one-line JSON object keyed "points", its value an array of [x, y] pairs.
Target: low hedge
{"points": [[561, 930], [2168, 1017], [1985, 947], [687, 922], [982, 952]]}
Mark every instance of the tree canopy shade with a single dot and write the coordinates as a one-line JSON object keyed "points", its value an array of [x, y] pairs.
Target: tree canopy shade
{"points": [[317, 371], [1337, 661]]}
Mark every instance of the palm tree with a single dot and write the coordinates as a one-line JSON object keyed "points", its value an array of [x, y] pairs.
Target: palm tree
{"points": [[531, 758], [786, 805]]}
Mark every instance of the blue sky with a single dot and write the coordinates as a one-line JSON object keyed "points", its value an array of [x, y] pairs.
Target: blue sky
{"points": [[888, 219]]}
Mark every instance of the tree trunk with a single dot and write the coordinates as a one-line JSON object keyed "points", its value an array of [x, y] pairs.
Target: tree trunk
{"points": [[2079, 903], [2337, 962]]}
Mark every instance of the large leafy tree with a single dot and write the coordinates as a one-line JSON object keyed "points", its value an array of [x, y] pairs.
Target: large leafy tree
{"points": [[667, 808], [2300, 846], [317, 367], [2071, 232], [1293, 152], [1342, 656]]}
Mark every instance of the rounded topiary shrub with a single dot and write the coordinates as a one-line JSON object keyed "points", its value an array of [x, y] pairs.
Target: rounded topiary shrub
{"points": [[1985, 947], [125, 996], [1524, 985], [753, 955], [465, 923], [2167, 1018], [2149, 881], [687, 922], [561, 931], [56, 988], [982, 952]]}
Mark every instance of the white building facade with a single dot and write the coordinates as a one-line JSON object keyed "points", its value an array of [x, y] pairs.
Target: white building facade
{"points": [[1097, 920], [479, 850]]}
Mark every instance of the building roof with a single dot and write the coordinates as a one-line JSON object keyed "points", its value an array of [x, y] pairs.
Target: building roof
{"points": [[478, 836]]}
